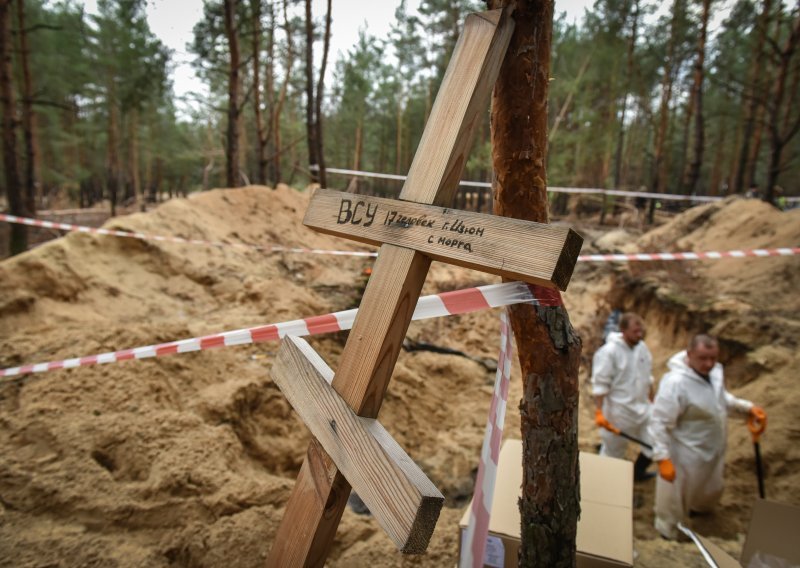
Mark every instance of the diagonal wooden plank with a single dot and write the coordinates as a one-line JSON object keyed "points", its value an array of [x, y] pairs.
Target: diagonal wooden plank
{"points": [[513, 248], [399, 495], [459, 108], [398, 275]]}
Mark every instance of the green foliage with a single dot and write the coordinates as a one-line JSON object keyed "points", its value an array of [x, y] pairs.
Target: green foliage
{"points": [[86, 68], [102, 84]]}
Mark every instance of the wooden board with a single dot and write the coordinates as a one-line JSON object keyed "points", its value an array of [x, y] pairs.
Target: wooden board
{"points": [[512, 248], [399, 495], [459, 108], [399, 273]]}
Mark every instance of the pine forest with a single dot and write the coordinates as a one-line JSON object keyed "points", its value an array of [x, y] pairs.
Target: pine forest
{"points": [[696, 98]]}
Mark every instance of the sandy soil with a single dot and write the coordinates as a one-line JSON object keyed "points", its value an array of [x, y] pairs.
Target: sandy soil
{"points": [[189, 460]]}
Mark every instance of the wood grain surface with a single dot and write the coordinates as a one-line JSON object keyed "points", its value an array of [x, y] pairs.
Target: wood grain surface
{"points": [[519, 250], [399, 495]]}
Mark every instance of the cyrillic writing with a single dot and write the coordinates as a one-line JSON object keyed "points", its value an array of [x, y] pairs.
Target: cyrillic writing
{"points": [[355, 215]]}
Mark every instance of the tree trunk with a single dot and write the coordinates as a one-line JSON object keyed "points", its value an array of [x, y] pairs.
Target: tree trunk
{"points": [[782, 129], [565, 107], [382, 152], [759, 120], [693, 170], [261, 139], [112, 152], [152, 135], [352, 187], [753, 103], [28, 117], [398, 157], [716, 171], [311, 129], [243, 152], [276, 122], [659, 163], [232, 151], [16, 203], [549, 348], [320, 95], [134, 158], [269, 94], [628, 81]]}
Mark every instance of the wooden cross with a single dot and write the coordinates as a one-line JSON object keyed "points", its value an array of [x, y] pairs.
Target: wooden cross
{"points": [[350, 448]]}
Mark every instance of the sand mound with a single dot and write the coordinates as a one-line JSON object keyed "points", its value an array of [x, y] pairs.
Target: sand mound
{"points": [[189, 459], [738, 224]]}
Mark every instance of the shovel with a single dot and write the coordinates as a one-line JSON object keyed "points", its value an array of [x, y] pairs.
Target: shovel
{"points": [[632, 439], [613, 429], [757, 428]]}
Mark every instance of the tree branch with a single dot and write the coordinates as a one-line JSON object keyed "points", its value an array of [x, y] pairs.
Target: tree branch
{"points": [[38, 27], [46, 103]]}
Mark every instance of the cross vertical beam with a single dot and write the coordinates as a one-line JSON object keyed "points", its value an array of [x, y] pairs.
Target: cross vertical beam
{"points": [[320, 494]]}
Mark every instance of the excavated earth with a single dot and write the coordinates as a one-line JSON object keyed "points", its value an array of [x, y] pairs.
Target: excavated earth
{"points": [[189, 459]]}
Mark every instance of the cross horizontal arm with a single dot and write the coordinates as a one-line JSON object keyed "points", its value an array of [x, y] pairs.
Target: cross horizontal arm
{"points": [[399, 495], [515, 249]]}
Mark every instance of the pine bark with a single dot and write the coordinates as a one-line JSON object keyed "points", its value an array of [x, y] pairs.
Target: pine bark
{"points": [[693, 170], [326, 44], [311, 129], [276, 121], [549, 348], [16, 203], [628, 86], [269, 94], [28, 116], [659, 160], [261, 139], [232, 150], [753, 100], [133, 130], [782, 128], [716, 170], [398, 158], [112, 151]]}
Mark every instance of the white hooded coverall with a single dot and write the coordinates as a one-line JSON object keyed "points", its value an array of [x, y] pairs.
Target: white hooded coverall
{"points": [[623, 374], [688, 426]]}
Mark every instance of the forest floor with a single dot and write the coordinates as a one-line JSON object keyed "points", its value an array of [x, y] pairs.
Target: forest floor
{"points": [[189, 460]]}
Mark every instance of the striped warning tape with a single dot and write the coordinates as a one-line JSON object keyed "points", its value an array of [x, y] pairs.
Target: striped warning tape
{"points": [[436, 305], [554, 189], [474, 544], [161, 238], [710, 255]]}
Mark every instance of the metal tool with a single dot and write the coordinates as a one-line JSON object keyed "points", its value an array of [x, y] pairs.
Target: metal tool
{"points": [[632, 439]]}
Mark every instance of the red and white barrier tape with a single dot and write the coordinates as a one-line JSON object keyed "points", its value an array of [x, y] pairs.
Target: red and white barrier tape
{"points": [[711, 255], [474, 544], [554, 189], [436, 305], [146, 237]]}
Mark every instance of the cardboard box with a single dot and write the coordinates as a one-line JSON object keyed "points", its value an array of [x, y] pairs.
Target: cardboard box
{"points": [[605, 528], [772, 539]]}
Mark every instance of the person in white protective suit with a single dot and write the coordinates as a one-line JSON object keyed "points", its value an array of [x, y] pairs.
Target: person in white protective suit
{"points": [[689, 431], [622, 384]]}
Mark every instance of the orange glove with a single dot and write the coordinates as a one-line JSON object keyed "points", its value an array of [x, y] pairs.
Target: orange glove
{"points": [[757, 413], [757, 422], [601, 421], [667, 470]]}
